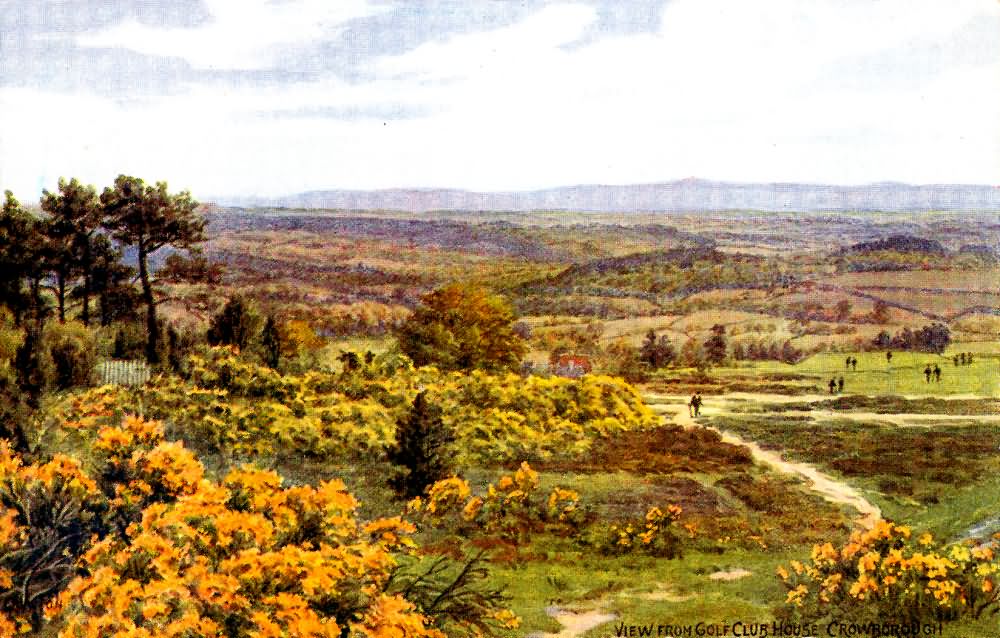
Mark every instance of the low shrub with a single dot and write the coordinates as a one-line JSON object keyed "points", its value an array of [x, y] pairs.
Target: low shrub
{"points": [[656, 535], [887, 573]]}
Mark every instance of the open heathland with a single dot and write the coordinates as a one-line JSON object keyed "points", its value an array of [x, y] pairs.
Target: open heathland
{"points": [[319, 424]]}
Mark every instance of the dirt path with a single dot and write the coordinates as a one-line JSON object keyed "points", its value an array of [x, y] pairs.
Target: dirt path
{"points": [[826, 486], [576, 623]]}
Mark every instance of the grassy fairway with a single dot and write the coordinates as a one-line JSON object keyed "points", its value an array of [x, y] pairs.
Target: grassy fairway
{"points": [[904, 375], [645, 590]]}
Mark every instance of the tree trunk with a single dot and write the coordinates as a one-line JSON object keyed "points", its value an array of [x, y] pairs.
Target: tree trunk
{"points": [[152, 326], [85, 313], [105, 309], [61, 295], [36, 304]]}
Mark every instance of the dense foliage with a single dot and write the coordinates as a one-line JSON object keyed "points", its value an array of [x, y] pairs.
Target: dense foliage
{"points": [[422, 449], [461, 327], [653, 277], [886, 573], [237, 324], [657, 352], [934, 338], [144, 543], [232, 406]]}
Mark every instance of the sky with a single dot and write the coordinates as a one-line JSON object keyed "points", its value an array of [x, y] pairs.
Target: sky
{"points": [[274, 97]]}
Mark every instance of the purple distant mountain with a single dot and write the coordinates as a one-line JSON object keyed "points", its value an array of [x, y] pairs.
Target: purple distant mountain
{"points": [[683, 195]]}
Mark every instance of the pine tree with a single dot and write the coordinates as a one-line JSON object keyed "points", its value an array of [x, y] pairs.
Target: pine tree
{"points": [[421, 449], [29, 364], [74, 218], [270, 341], [715, 346], [235, 325], [648, 351], [175, 354], [657, 353], [149, 218]]}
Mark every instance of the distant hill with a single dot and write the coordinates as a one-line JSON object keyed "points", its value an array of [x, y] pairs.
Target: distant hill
{"points": [[683, 195]]}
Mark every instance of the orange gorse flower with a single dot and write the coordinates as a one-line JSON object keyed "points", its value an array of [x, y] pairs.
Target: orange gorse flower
{"points": [[201, 555], [886, 569]]}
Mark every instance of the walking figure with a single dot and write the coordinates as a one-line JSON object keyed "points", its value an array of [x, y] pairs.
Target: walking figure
{"points": [[968, 358], [697, 403], [955, 359], [888, 357], [854, 364], [833, 386], [961, 358], [840, 384], [847, 364], [937, 373], [692, 403], [927, 372]]}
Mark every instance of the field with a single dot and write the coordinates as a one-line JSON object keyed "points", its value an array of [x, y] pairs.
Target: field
{"points": [[904, 375], [582, 491], [940, 280]]}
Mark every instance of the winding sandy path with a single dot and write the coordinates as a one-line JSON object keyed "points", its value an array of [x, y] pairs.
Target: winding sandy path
{"points": [[576, 622], [826, 486]]}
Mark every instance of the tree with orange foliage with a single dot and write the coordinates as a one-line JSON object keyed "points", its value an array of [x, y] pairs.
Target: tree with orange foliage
{"points": [[462, 327]]}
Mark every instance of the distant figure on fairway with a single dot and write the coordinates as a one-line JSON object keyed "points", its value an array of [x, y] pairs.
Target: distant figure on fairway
{"points": [[968, 358], [833, 386], [692, 403], [854, 364], [847, 364], [840, 384], [955, 359], [888, 357], [937, 373], [927, 372], [697, 403], [961, 358]]}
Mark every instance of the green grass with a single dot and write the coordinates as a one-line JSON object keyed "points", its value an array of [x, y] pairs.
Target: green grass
{"points": [[904, 375], [644, 590], [951, 517], [328, 356]]}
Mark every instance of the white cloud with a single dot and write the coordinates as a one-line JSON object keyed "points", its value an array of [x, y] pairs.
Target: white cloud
{"points": [[725, 89], [510, 50], [242, 34]]}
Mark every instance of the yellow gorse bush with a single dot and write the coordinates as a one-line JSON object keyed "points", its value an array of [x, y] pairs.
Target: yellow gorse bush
{"points": [[510, 507], [243, 410], [654, 534], [176, 554], [48, 514], [885, 570], [247, 553]]}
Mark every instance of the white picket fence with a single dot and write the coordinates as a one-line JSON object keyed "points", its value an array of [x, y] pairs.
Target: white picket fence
{"points": [[117, 372]]}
